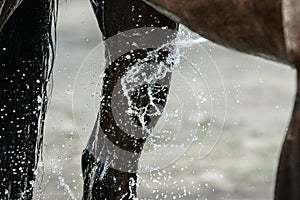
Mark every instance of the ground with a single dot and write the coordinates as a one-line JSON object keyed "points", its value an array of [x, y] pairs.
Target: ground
{"points": [[242, 165]]}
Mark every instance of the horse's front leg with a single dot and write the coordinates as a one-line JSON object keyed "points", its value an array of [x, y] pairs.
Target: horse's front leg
{"points": [[136, 84], [288, 175], [26, 55]]}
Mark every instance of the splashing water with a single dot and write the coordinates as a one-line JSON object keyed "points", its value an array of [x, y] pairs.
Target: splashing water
{"points": [[150, 71]]}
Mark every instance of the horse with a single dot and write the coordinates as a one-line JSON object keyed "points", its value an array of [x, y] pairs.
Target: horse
{"points": [[26, 57], [248, 26], [243, 25], [27, 52]]}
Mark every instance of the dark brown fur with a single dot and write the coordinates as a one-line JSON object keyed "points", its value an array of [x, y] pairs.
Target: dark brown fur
{"points": [[267, 28]]}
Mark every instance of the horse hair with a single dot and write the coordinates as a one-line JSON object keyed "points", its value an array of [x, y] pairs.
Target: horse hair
{"points": [[27, 46]]}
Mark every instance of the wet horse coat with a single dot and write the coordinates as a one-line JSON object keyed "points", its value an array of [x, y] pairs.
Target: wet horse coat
{"points": [[26, 55], [262, 27], [101, 179]]}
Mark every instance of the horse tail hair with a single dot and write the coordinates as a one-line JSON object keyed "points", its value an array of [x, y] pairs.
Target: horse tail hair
{"points": [[27, 46]]}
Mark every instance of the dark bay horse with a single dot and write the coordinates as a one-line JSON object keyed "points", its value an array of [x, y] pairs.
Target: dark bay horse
{"points": [[27, 47], [26, 59], [265, 28]]}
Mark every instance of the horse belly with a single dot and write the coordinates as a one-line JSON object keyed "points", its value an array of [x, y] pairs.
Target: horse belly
{"points": [[250, 26]]}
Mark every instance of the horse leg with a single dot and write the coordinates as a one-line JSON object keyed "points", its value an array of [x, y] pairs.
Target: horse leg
{"points": [[288, 175], [25, 54], [110, 160]]}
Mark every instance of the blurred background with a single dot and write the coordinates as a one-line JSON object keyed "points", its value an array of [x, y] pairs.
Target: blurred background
{"points": [[242, 165]]}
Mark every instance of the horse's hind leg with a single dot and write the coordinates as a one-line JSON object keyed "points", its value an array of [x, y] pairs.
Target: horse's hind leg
{"points": [[24, 64], [288, 175], [110, 160]]}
